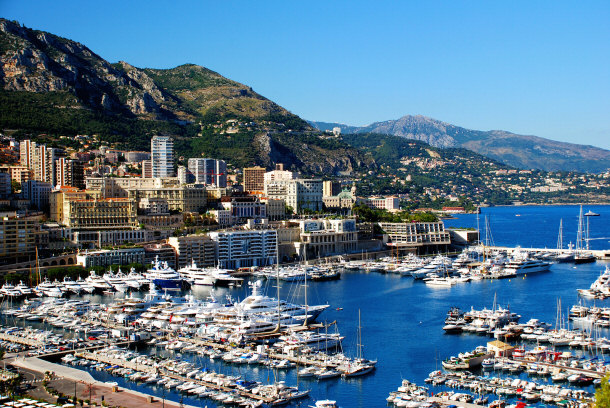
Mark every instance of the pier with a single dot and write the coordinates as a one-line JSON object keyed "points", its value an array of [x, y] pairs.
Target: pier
{"points": [[158, 371], [599, 254]]}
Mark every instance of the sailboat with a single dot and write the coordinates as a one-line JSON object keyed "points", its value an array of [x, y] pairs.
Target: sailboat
{"points": [[360, 366], [582, 242], [561, 255]]}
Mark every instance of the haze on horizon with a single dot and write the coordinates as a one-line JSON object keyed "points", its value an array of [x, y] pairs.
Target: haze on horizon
{"points": [[529, 68]]}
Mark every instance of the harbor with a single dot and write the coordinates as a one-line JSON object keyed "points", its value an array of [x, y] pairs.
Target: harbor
{"points": [[381, 313]]}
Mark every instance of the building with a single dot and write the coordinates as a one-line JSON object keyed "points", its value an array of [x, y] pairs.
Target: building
{"points": [[304, 194], [299, 194], [136, 157], [59, 197], [153, 205], [254, 179], [279, 174], [425, 236], [20, 174], [69, 172], [239, 249], [38, 192], [210, 172], [44, 164], [222, 217], [391, 203], [162, 156], [320, 238], [276, 208], [186, 198], [102, 238], [86, 210], [343, 202], [243, 208], [198, 248], [26, 153], [161, 252], [18, 238], [331, 188], [185, 176], [111, 257], [119, 186], [147, 171], [5, 185]]}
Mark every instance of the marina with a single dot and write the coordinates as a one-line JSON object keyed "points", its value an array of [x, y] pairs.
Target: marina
{"points": [[364, 324]]}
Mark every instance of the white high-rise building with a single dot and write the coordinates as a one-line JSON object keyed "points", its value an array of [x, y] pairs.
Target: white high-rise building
{"points": [[162, 156], [209, 171]]}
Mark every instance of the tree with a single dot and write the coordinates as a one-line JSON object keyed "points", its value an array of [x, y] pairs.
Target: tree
{"points": [[15, 186], [602, 395]]}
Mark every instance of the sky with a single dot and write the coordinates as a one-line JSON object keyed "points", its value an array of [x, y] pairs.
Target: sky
{"points": [[539, 68]]}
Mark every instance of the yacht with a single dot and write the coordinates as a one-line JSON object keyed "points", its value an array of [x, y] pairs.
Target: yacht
{"points": [[24, 289], [117, 281], [521, 263], [257, 303], [48, 288], [163, 276], [97, 282], [9, 290], [71, 286]]}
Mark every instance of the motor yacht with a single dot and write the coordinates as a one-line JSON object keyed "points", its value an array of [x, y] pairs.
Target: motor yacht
{"points": [[163, 276]]}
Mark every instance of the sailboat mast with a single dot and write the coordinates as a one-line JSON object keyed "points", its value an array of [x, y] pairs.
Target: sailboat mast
{"points": [[277, 279], [359, 336], [306, 306]]}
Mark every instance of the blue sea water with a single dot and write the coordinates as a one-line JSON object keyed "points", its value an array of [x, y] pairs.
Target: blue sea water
{"points": [[402, 318], [537, 226]]}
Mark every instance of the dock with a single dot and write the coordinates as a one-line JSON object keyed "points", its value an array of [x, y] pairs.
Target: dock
{"points": [[599, 254]]}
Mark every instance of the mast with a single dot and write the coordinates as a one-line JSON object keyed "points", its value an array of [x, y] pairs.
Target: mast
{"points": [[580, 233], [277, 281], [306, 306], [560, 237], [359, 336]]}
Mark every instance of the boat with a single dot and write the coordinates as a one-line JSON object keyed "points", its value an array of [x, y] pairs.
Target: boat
{"points": [[163, 276], [97, 282], [359, 366], [582, 240], [50, 289], [521, 263], [9, 290], [325, 404]]}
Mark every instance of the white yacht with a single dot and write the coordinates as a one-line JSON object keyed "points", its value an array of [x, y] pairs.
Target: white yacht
{"points": [[97, 282], [24, 289], [257, 303], [50, 289], [9, 290], [521, 263], [117, 281], [71, 286]]}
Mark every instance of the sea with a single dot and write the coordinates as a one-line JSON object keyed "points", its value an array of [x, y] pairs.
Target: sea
{"points": [[401, 319]]}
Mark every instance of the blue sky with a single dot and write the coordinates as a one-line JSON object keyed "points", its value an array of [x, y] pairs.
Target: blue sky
{"points": [[540, 68]]}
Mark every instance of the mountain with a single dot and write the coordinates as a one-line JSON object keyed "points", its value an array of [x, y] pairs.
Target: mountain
{"points": [[55, 86], [521, 151]]}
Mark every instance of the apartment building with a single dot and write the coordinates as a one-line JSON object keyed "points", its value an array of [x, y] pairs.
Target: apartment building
{"points": [[239, 249], [198, 248], [162, 156], [254, 178]]}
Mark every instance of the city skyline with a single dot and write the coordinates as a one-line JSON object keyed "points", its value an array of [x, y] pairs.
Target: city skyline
{"points": [[529, 69]]}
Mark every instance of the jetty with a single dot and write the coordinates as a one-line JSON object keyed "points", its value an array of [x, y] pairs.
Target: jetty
{"points": [[599, 254]]}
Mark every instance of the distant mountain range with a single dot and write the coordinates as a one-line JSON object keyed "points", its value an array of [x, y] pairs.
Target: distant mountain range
{"points": [[526, 152], [54, 86]]}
